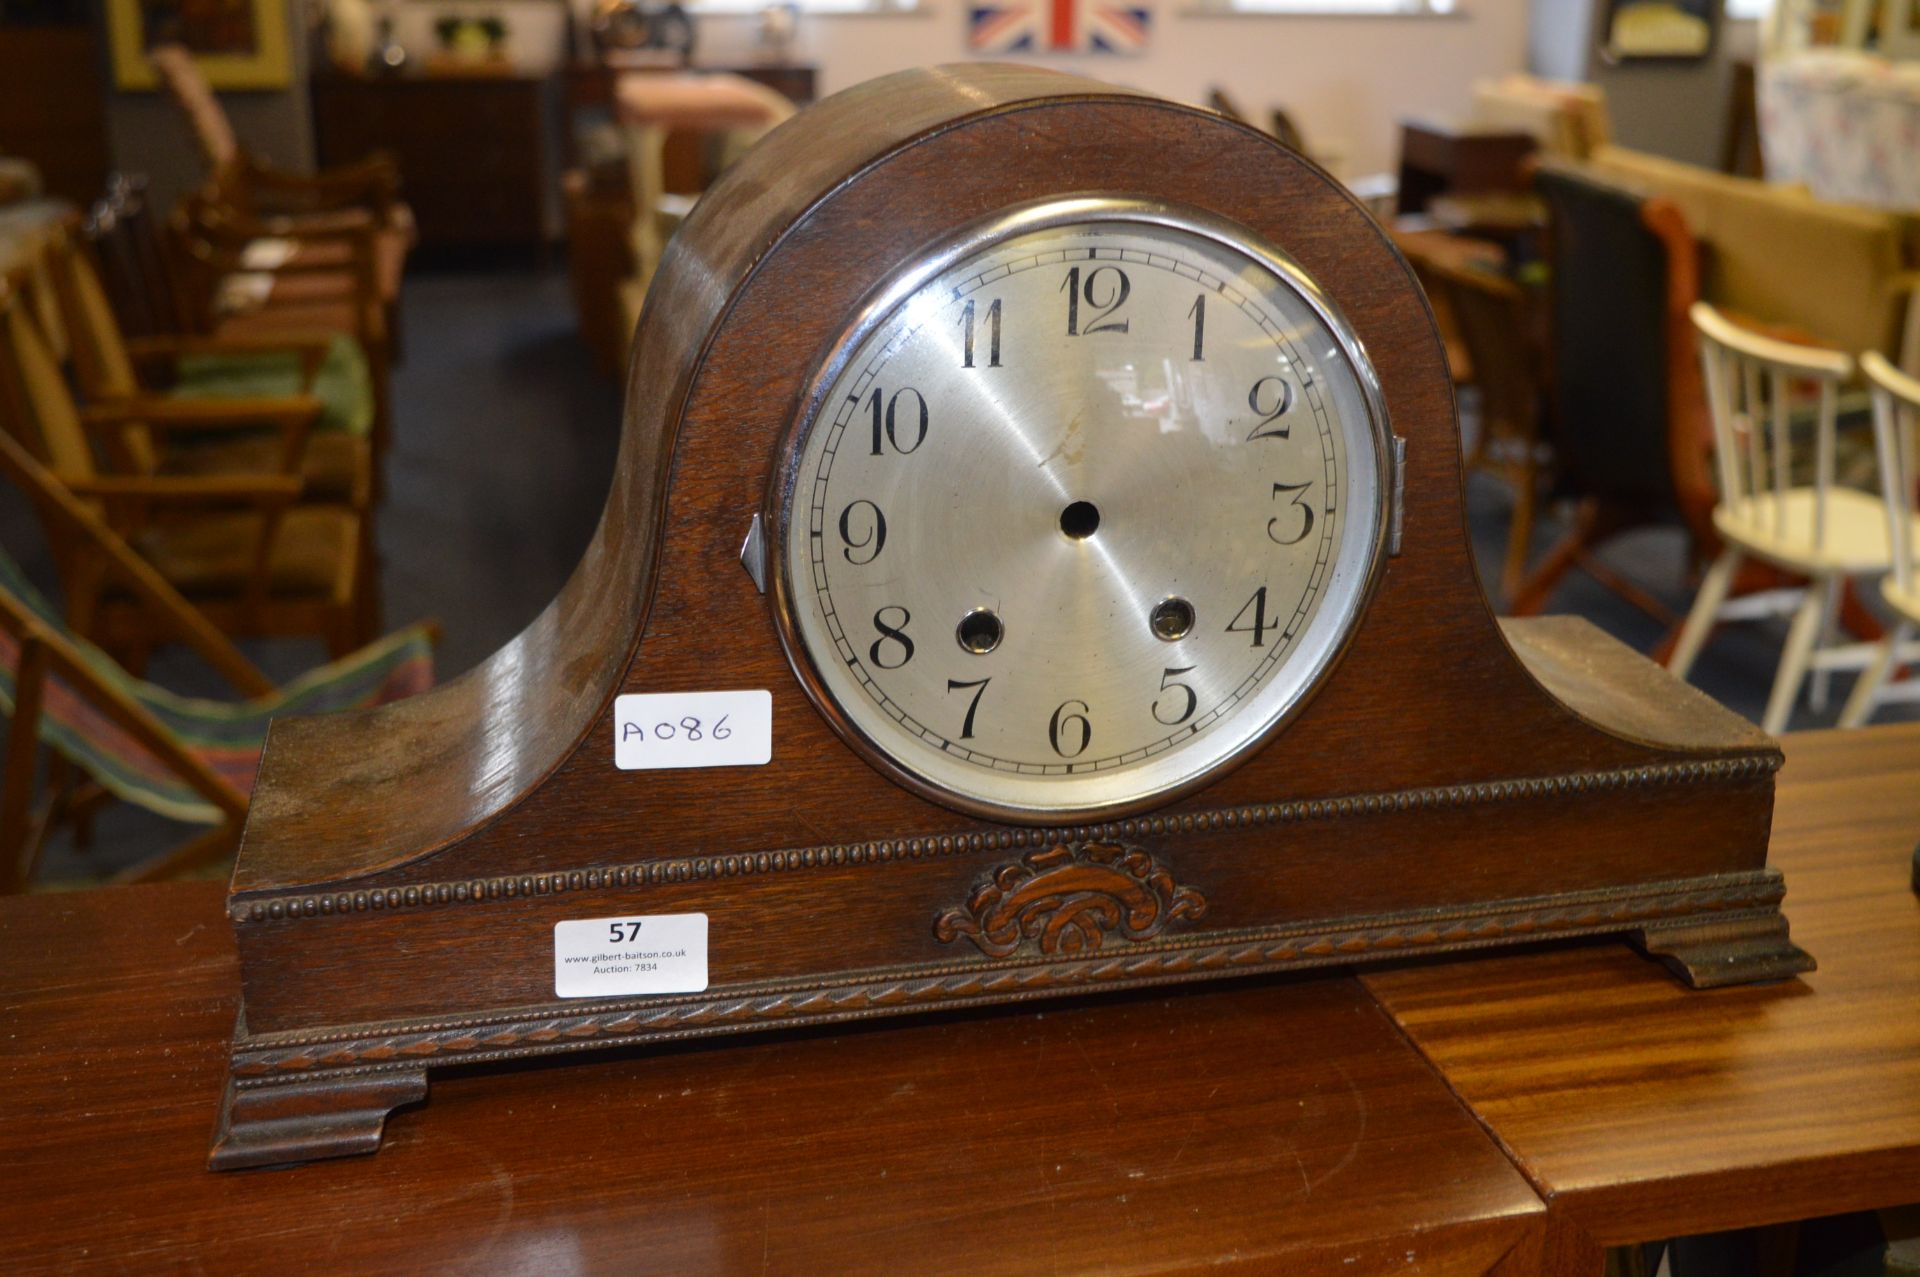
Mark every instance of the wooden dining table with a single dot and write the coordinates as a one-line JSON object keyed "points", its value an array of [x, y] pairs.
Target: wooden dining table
{"points": [[1506, 1114], [1639, 1110]]}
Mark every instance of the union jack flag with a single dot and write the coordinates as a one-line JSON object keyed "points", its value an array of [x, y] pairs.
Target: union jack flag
{"points": [[1057, 26]]}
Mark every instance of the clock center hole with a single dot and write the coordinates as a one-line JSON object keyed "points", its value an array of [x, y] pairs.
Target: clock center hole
{"points": [[1080, 520]]}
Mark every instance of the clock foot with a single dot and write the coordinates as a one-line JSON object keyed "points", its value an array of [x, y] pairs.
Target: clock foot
{"points": [[1722, 951], [281, 1123]]}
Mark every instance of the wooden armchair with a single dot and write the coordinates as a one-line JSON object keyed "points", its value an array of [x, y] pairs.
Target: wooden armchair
{"points": [[240, 547], [112, 736], [275, 376], [1494, 319], [134, 261], [317, 228], [365, 193], [239, 291]]}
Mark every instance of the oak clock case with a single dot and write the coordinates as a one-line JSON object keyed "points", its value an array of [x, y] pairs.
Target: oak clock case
{"points": [[1425, 778], [1140, 479]]}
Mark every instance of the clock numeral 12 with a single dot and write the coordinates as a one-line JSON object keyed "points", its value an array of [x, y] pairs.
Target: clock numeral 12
{"points": [[1199, 313], [1116, 290], [993, 334]]}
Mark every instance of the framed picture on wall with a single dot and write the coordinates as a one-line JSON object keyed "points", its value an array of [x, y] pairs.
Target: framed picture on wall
{"points": [[1672, 30], [239, 44]]}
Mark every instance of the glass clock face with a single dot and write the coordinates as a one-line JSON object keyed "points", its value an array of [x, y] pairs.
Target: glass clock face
{"points": [[1081, 510]]}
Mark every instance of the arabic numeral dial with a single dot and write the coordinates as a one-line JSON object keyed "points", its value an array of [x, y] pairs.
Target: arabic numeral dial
{"points": [[1073, 525]]}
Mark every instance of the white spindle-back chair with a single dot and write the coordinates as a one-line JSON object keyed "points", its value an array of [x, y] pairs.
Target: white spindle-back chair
{"points": [[1758, 391], [1896, 423]]}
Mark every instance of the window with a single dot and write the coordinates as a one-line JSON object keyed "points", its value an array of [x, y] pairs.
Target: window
{"points": [[805, 7], [1333, 8]]}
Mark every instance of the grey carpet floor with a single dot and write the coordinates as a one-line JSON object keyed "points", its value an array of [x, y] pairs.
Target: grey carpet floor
{"points": [[505, 444]]}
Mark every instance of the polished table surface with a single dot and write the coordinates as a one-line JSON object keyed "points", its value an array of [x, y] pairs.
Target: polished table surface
{"points": [[1260, 1127], [1275, 1125], [1641, 1110]]}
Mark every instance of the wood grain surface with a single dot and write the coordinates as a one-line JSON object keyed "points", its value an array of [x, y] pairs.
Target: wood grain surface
{"points": [[1642, 1111], [1264, 1127]]}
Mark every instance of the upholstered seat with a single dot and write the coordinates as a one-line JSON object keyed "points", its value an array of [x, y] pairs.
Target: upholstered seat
{"points": [[210, 556], [334, 467]]}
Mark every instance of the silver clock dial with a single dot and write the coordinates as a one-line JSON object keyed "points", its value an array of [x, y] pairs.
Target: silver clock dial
{"points": [[1081, 510]]}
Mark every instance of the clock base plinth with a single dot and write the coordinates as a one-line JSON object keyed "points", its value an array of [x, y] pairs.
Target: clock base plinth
{"points": [[1716, 952], [325, 1090], [283, 1123]]}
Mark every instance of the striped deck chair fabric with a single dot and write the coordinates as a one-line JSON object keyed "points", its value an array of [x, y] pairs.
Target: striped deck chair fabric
{"points": [[227, 735]]}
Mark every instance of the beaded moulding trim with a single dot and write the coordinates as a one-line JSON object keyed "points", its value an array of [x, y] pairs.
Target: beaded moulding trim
{"points": [[310, 905]]}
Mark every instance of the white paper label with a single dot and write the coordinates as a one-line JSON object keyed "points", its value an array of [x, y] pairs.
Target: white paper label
{"points": [[692, 729], [614, 957]]}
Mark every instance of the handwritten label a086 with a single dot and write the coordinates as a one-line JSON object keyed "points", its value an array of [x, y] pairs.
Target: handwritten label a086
{"points": [[692, 729]]}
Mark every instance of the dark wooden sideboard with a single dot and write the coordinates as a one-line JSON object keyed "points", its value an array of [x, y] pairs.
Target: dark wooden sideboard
{"points": [[478, 154], [1305, 1125]]}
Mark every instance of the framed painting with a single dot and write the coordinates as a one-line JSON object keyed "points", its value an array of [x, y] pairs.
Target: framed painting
{"points": [[239, 44]]}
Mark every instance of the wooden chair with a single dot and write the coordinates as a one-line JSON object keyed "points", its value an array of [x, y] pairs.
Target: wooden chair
{"points": [[344, 227], [1426, 250], [216, 262], [133, 260], [200, 277], [1896, 422], [362, 194], [240, 547], [1494, 320], [274, 376], [1822, 532], [186, 759]]}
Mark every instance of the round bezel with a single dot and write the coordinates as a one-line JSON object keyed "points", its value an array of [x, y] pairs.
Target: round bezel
{"points": [[1347, 598]]}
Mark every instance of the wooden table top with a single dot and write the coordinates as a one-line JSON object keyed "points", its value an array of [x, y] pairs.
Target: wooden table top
{"points": [[1280, 1126], [1645, 1110], [1277, 1124]]}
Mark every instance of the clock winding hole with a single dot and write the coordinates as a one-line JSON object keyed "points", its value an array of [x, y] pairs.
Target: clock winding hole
{"points": [[1080, 520], [979, 631], [1171, 619]]}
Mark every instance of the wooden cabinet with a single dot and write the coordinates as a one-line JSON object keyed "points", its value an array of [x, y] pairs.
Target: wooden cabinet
{"points": [[474, 151], [53, 107]]}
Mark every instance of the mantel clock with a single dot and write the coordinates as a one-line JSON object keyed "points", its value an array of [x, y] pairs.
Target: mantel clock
{"points": [[1035, 563]]}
